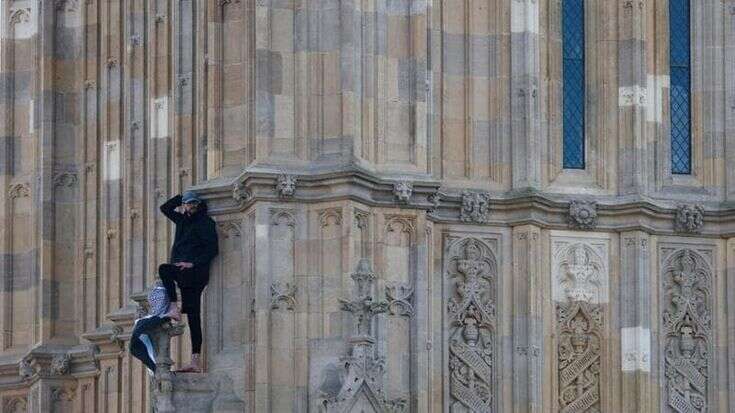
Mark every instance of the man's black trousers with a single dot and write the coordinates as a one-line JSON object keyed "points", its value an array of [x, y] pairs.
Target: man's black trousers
{"points": [[191, 293]]}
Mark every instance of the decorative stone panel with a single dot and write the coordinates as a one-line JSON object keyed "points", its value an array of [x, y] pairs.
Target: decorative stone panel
{"points": [[579, 283], [686, 330], [470, 276]]}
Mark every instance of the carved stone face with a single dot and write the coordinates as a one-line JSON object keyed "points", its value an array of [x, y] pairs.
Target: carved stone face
{"points": [[474, 207], [286, 185], [689, 218], [402, 191]]}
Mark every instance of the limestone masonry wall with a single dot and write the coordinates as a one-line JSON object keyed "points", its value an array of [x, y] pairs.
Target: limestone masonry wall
{"points": [[397, 233]]}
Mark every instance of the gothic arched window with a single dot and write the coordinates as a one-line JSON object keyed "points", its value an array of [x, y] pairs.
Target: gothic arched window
{"points": [[573, 89], [680, 92]]}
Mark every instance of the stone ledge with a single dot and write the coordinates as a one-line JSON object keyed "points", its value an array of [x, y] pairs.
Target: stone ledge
{"points": [[508, 208]]}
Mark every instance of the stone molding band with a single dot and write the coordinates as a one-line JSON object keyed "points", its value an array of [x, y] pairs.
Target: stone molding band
{"points": [[547, 210]]}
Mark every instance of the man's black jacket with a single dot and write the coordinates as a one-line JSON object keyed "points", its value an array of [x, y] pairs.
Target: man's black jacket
{"points": [[195, 240]]}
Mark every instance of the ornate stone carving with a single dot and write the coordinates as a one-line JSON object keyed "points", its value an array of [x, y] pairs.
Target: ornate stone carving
{"points": [[65, 179], [25, 370], [135, 40], [20, 15], [66, 5], [579, 321], [286, 185], [362, 219], [60, 365], [402, 191], [330, 215], [472, 272], [363, 386], [579, 324], [183, 80], [580, 275], [15, 404], [362, 306], [283, 295], [282, 217], [229, 229], [63, 393], [435, 199], [400, 297], [474, 207], [19, 190], [240, 193], [687, 325], [583, 214], [689, 218]]}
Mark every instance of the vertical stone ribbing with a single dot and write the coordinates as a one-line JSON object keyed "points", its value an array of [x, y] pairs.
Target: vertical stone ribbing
{"points": [[525, 93], [635, 305], [729, 101], [530, 315], [632, 59]]}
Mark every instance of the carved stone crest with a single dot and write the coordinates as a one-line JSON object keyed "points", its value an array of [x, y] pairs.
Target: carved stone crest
{"points": [[579, 326], [286, 185], [403, 190], [687, 324], [283, 295], [580, 323], [474, 207], [580, 275], [583, 214], [472, 326], [689, 218]]}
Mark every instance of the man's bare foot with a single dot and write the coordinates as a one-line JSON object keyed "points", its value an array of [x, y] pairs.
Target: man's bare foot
{"points": [[194, 367], [173, 312]]}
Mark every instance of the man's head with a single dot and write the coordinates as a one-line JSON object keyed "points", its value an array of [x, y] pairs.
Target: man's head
{"points": [[190, 201]]}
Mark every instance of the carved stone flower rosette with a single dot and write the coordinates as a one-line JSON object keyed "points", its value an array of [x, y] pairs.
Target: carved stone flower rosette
{"points": [[582, 214]]}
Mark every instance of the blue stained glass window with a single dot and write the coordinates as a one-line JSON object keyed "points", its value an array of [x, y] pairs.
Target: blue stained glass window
{"points": [[680, 91], [573, 83]]}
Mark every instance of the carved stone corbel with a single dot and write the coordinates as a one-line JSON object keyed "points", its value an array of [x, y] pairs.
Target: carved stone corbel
{"points": [[475, 206], [582, 214], [286, 185], [689, 219], [402, 191]]}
